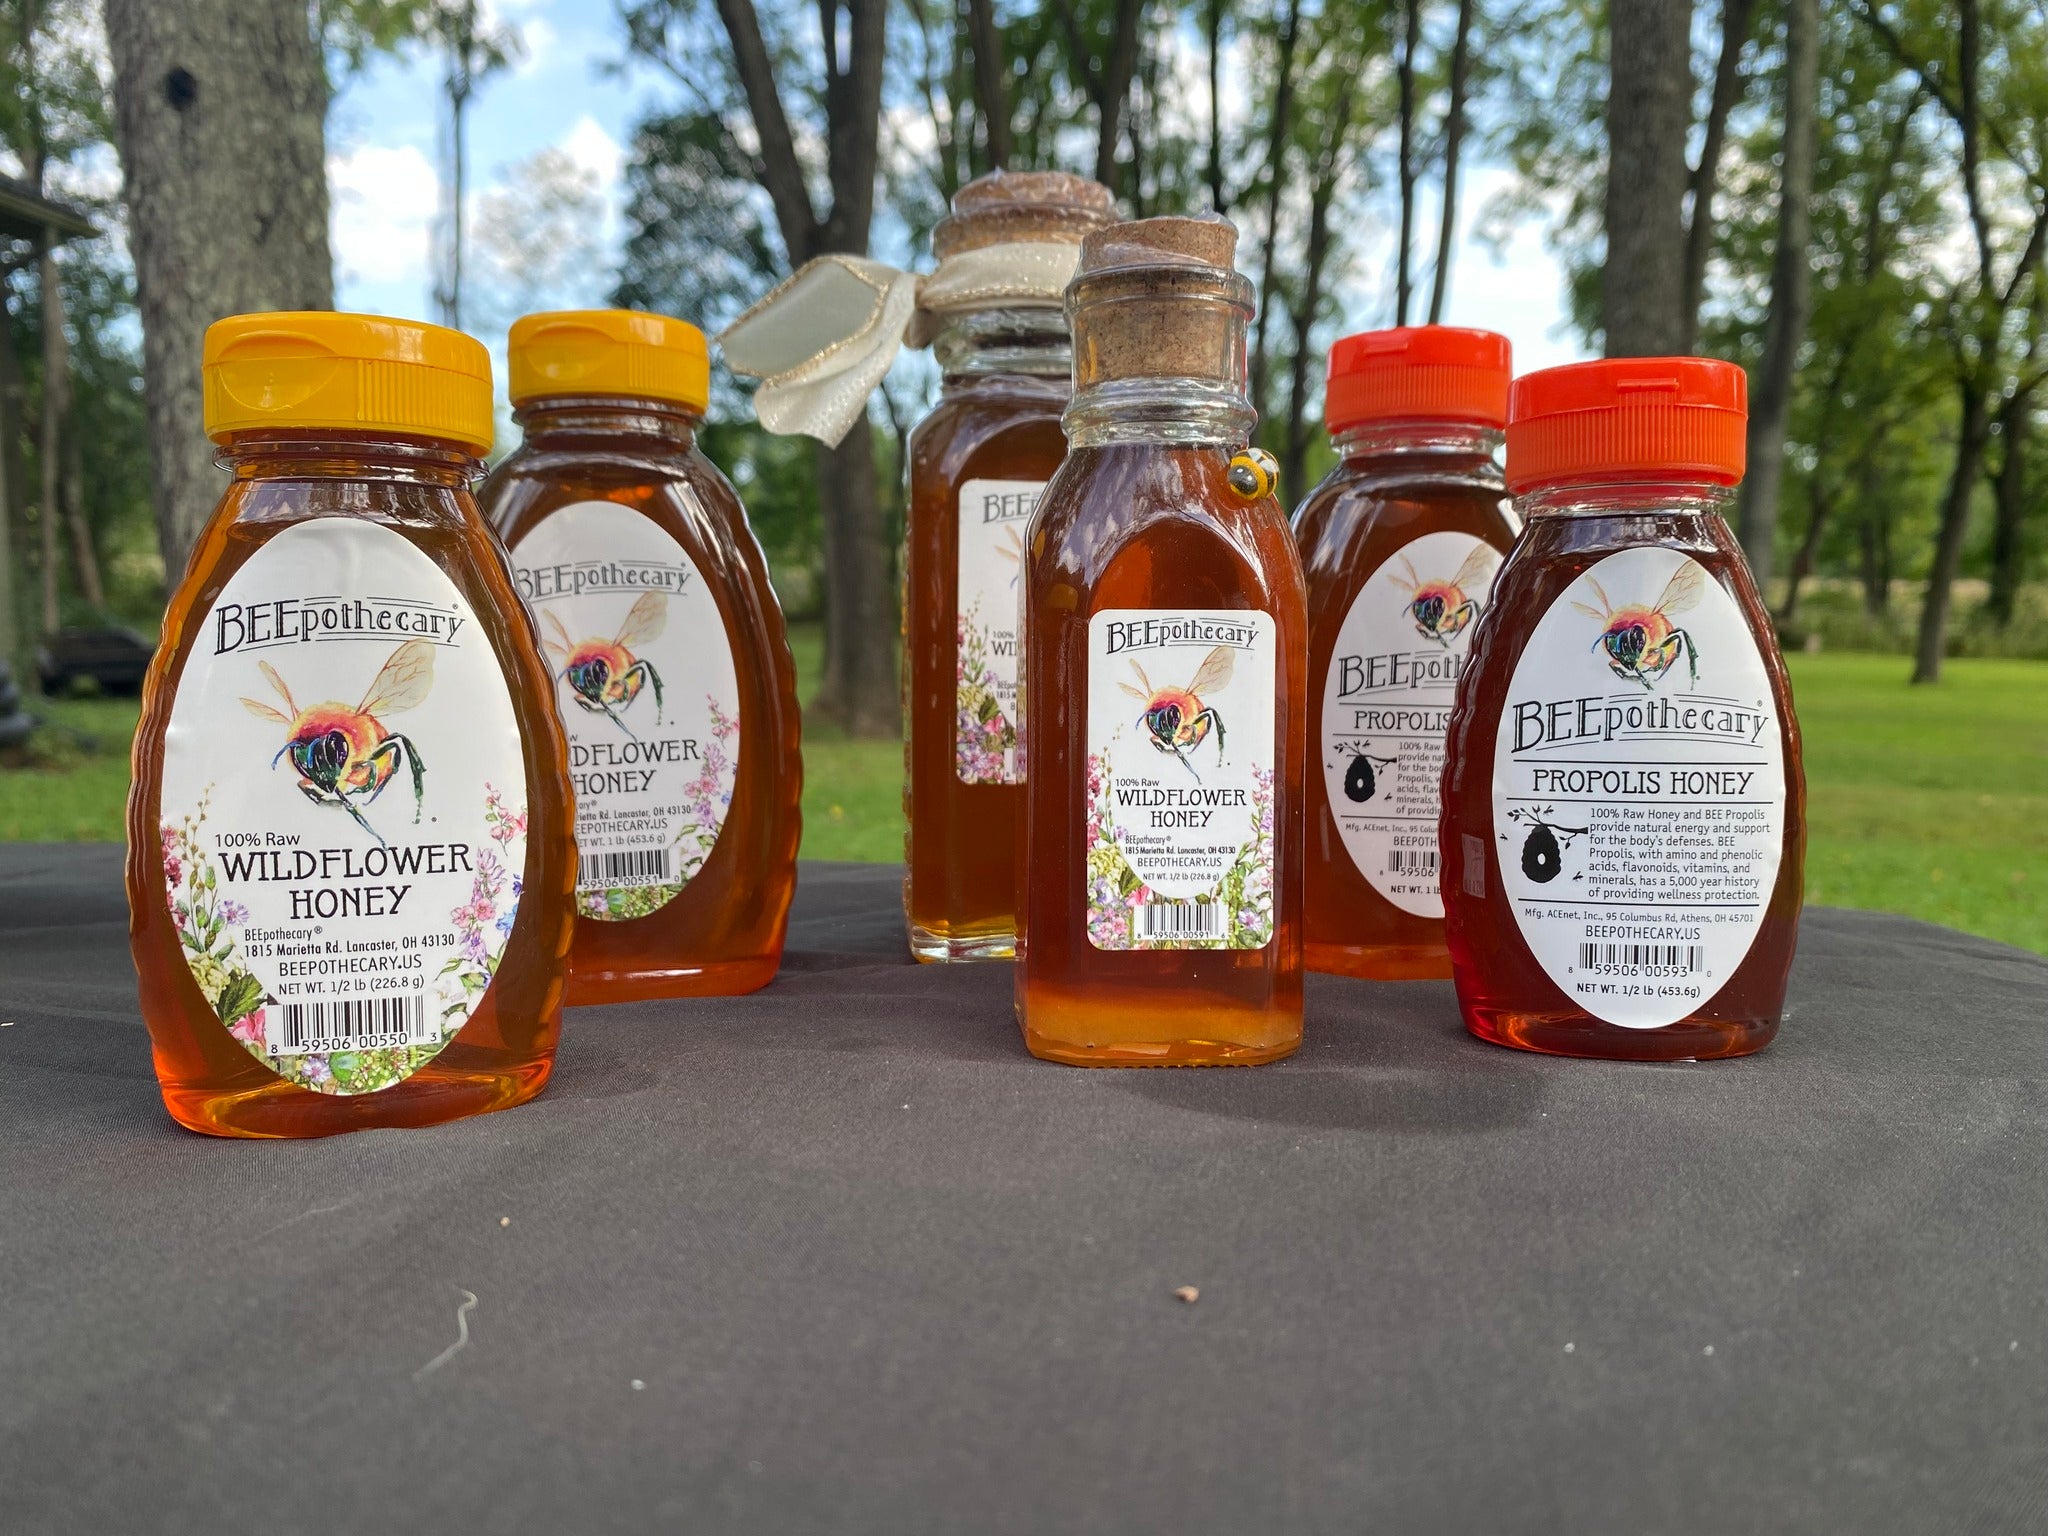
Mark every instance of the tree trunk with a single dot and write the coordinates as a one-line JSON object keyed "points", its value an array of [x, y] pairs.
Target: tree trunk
{"points": [[1405, 162], [2008, 535], [990, 90], [85, 555], [220, 110], [2015, 427], [1819, 505], [1454, 139], [1276, 185], [1972, 428], [10, 631], [50, 432], [1874, 539], [1770, 402], [1649, 113], [12, 474], [1315, 259], [1736, 18], [1219, 194], [1118, 71], [859, 689]]}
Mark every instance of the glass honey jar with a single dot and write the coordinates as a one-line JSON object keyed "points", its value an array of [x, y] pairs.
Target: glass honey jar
{"points": [[978, 463], [1165, 683]]}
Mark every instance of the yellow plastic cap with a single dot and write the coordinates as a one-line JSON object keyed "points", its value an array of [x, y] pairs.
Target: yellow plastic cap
{"points": [[610, 352], [348, 373]]}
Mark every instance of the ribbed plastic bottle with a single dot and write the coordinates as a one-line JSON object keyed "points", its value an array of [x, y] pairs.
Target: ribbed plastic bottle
{"points": [[1624, 824], [350, 851], [1399, 545], [669, 661]]}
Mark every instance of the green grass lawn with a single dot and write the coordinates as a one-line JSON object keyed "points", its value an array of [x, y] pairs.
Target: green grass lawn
{"points": [[1928, 801]]}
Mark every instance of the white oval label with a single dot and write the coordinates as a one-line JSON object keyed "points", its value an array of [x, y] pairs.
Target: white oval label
{"points": [[1639, 789], [649, 696], [1387, 705], [344, 807]]}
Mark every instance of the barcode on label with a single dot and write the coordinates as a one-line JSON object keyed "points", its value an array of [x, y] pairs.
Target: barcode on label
{"points": [[622, 871], [1411, 861], [1172, 920], [1662, 957], [360, 1024]]}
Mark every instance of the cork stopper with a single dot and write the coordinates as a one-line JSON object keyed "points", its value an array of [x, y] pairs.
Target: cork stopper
{"points": [[1160, 299], [1006, 206], [1206, 240]]}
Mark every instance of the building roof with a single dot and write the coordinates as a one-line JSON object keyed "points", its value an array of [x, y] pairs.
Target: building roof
{"points": [[26, 214]]}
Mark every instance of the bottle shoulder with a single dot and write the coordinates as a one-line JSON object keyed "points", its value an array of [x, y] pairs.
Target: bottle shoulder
{"points": [[1163, 520], [1022, 429]]}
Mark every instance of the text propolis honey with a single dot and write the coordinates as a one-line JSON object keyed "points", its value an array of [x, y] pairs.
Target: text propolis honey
{"points": [[1399, 544], [1624, 811]]}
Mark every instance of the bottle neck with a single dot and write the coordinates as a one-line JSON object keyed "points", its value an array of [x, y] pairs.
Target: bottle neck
{"points": [[300, 454], [1174, 412], [984, 343], [1159, 357], [644, 425], [1624, 498], [1464, 449]]}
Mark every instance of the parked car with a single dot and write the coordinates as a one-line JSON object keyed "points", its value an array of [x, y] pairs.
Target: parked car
{"points": [[112, 655]]}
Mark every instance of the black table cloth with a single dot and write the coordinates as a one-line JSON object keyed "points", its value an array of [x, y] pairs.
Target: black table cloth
{"points": [[841, 1257]]}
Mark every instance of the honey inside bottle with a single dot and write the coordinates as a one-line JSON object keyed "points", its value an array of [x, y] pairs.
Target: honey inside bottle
{"points": [[1399, 545], [978, 462], [1624, 807], [1165, 684], [350, 849], [669, 662]]}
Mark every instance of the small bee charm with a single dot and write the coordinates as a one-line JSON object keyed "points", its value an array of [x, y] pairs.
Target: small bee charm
{"points": [[1253, 474]]}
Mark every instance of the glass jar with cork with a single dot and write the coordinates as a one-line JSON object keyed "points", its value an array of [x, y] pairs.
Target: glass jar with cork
{"points": [[1165, 683], [977, 465]]}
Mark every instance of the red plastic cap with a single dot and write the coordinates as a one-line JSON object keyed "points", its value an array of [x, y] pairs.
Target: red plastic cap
{"points": [[1418, 373], [1687, 417]]}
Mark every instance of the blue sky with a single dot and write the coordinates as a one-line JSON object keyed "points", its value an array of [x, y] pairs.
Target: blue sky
{"points": [[567, 93]]}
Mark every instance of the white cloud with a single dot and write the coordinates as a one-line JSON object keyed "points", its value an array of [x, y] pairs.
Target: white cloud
{"points": [[384, 199], [594, 151]]}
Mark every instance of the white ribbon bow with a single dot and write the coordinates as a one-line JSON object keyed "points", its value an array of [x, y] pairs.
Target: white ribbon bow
{"points": [[821, 340]]}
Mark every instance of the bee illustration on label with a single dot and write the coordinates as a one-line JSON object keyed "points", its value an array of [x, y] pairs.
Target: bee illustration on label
{"points": [[1360, 782], [604, 676], [345, 756], [1642, 643], [1441, 609], [1175, 720], [1542, 852]]}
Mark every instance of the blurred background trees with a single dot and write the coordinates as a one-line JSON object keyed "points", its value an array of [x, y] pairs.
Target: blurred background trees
{"points": [[1848, 196]]}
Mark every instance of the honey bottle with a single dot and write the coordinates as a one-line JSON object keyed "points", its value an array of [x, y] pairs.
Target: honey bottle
{"points": [[1166, 662], [1399, 545], [1624, 809], [669, 662], [350, 851], [978, 462]]}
